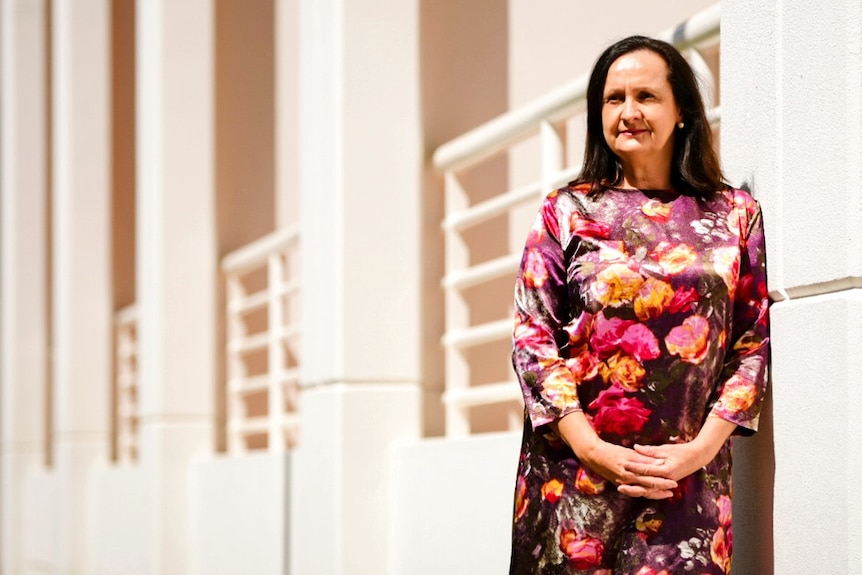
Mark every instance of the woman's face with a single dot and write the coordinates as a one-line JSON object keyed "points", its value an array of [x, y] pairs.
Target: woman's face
{"points": [[639, 112]]}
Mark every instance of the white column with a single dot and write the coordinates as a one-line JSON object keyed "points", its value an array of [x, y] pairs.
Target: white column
{"points": [[792, 131], [23, 249], [286, 113], [360, 166], [177, 262], [81, 270]]}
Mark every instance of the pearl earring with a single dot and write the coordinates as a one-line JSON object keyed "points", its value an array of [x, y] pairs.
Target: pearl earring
{"points": [[681, 125]]}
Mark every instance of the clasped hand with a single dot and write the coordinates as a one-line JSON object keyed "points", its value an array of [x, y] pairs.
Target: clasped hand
{"points": [[650, 471]]}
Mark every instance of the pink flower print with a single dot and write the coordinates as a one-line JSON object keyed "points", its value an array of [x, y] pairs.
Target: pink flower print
{"points": [[582, 551], [535, 273], [587, 228], [682, 300], [639, 341], [608, 333]]}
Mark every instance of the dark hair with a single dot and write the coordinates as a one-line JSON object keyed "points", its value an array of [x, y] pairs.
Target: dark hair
{"points": [[695, 169]]}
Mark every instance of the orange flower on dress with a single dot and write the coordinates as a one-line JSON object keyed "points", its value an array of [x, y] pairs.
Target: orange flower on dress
{"points": [[657, 211], [653, 298], [725, 261], [552, 490], [535, 273], [673, 259], [582, 551], [616, 285], [623, 370], [589, 483], [584, 366], [649, 522], [738, 394], [689, 340], [559, 388], [521, 499], [720, 550]]}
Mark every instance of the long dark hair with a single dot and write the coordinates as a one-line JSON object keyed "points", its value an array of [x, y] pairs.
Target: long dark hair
{"points": [[695, 169]]}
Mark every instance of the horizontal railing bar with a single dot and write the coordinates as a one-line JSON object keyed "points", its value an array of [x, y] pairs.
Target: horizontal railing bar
{"points": [[255, 253], [248, 303], [513, 126], [482, 394], [249, 343], [249, 384], [259, 299], [713, 115], [126, 316], [479, 334], [816, 289], [257, 425], [127, 381], [254, 383], [502, 203], [481, 273]]}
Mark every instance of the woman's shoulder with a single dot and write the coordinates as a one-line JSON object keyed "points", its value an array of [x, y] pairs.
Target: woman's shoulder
{"points": [[739, 197]]}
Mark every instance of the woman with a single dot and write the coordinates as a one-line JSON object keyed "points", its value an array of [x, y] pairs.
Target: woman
{"points": [[641, 336]]}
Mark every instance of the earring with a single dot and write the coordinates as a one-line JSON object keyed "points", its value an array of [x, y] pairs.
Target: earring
{"points": [[681, 125]]}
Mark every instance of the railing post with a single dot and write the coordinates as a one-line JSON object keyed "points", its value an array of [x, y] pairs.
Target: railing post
{"points": [[705, 77], [552, 155], [235, 367], [457, 311], [275, 355]]}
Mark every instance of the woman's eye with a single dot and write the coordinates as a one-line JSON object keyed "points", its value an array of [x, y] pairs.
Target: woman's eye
{"points": [[613, 99], [647, 96]]}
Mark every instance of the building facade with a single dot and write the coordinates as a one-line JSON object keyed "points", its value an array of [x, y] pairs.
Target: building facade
{"points": [[257, 261]]}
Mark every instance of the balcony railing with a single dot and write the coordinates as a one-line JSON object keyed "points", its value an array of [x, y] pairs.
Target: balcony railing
{"points": [[262, 343], [545, 119], [126, 384]]}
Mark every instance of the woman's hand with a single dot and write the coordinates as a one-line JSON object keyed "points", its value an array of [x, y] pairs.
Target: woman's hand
{"points": [[616, 463], [678, 460], [613, 461]]}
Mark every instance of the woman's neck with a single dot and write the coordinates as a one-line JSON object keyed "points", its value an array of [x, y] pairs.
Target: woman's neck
{"points": [[646, 177]]}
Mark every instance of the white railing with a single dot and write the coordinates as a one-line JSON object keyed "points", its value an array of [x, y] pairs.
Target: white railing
{"points": [[541, 118], [126, 384], [262, 343]]}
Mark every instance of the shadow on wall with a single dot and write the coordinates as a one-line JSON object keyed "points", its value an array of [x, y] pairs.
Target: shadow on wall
{"points": [[753, 496]]}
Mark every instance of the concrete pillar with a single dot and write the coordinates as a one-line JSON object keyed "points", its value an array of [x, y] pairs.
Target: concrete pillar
{"points": [[81, 262], [23, 268], [286, 113], [176, 254], [360, 176], [792, 131]]}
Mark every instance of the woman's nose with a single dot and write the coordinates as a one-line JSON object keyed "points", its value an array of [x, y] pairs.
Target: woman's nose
{"points": [[631, 110]]}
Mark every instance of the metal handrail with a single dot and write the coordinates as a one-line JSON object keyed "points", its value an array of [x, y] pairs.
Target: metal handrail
{"points": [[516, 125]]}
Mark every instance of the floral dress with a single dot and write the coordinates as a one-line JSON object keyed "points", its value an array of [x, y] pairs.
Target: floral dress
{"points": [[649, 313]]}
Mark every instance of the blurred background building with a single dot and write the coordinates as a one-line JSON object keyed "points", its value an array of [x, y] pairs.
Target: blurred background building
{"points": [[257, 262]]}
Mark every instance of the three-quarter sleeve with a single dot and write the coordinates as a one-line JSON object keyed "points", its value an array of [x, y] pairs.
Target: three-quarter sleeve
{"points": [[542, 309], [744, 376]]}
